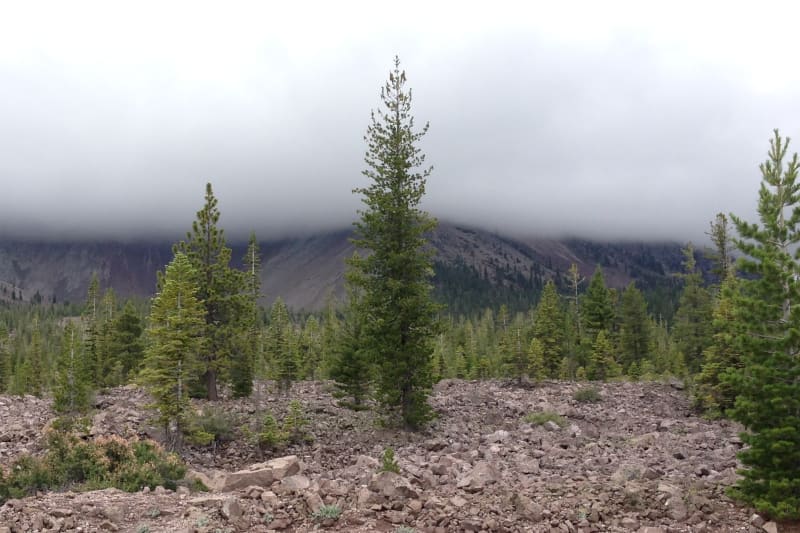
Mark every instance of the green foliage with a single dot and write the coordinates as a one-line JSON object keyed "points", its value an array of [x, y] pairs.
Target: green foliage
{"points": [[635, 335], [396, 270], [536, 368], [212, 425], [71, 391], [296, 425], [219, 289], [768, 382], [92, 465], [588, 395], [541, 418], [351, 369], [327, 512], [596, 308], [602, 364], [548, 328], [693, 319], [248, 341], [388, 461], [126, 349], [271, 436], [175, 339], [279, 349], [714, 392]]}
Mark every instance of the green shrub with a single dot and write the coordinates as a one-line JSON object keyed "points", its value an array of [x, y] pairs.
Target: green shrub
{"points": [[404, 529], [271, 436], [388, 462], [539, 419], [88, 465], [326, 512], [587, 395], [212, 426], [296, 424]]}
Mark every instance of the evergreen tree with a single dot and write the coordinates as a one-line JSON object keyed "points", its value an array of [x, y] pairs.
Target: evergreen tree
{"points": [[722, 255], [352, 371], [5, 359], [548, 328], [279, 346], [35, 361], [714, 393], [516, 355], [768, 384], [219, 289], [400, 315], [536, 360], [106, 363], [91, 331], [126, 348], [693, 318], [71, 391], [602, 364], [243, 366], [634, 336], [175, 338], [597, 309]]}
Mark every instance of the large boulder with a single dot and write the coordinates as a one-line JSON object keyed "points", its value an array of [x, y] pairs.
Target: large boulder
{"points": [[259, 474], [483, 474], [392, 486]]}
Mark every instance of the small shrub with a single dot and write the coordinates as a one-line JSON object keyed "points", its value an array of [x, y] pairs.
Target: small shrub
{"points": [[587, 395], [388, 462], [271, 436], [296, 424], [404, 529], [202, 521], [143, 528], [332, 512], [212, 426], [539, 419]]}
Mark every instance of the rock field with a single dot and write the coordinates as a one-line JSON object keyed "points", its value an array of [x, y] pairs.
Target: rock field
{"points": [[639, 460]]}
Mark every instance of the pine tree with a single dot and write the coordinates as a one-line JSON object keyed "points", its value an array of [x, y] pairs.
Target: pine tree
{"points": [[602, 364], [279, 346], [714, 393], [35, 361], [5, 359], [693, 318], [395, 273], [71, 391], [126, 348], [536, 368], [516, 355], [352, 370], [722, 256], [548, 328], [91, 331], [175, 338], [106, 363], [635, 336], [243, 366], [597, 309], [219, 289], [768, 384]]}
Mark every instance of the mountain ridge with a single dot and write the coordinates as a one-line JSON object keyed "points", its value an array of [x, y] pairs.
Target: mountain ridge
{"points": [[306, 271]]}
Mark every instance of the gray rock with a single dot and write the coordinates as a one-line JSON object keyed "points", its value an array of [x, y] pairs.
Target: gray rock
{"points": [[770, 527], [483, 474], [231, 509], [392, 486]]}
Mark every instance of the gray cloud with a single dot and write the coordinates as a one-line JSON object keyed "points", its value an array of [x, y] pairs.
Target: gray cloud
{"points": [[634, 125]]}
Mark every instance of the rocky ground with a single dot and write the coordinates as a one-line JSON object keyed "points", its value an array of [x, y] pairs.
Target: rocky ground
{"points": [[638, 460]]}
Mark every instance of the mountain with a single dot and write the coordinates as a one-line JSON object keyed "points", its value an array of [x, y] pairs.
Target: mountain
{"points": [[474, 268]]}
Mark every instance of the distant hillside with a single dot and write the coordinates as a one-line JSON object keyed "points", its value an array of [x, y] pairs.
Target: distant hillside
{"points": [[474, 268]]}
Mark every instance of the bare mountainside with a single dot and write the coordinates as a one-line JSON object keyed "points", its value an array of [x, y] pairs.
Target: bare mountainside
{"points": [[305, 271], [499, 458]]}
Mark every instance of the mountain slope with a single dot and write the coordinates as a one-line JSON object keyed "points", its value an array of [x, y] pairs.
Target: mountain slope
{"points": [[474, 267]]}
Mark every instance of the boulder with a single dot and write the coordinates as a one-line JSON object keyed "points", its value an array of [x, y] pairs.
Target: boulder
{"points": [[483, 474], [392, 486], [259, 474]]}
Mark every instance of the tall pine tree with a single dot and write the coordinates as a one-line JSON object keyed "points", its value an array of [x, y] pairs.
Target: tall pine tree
{"points": [[768, 385], [548, 328], [635, 334], [400, 319], [693, 319], [175, 335], [219, 288]]}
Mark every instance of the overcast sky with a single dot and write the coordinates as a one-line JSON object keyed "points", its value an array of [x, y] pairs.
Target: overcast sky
{"points": [[599, 119]]}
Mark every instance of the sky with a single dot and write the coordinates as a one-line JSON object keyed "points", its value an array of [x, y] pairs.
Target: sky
{"points": [[608, 120]]}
